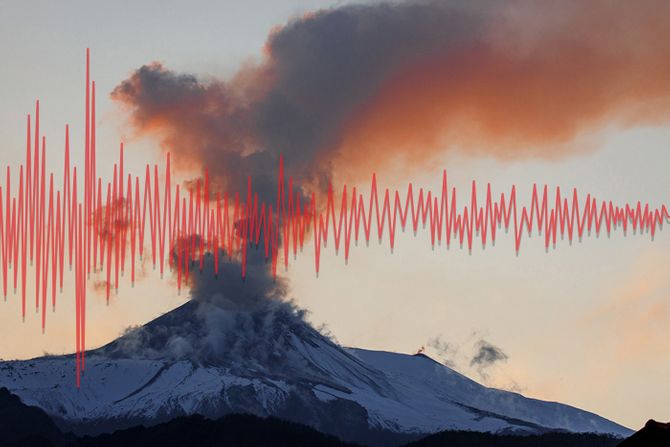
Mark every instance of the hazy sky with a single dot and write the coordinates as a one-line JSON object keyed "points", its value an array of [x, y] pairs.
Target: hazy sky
{"points": [[586, 324]]}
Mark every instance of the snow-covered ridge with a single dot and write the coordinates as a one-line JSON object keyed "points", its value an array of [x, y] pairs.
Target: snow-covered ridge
{"points": [[301, 376]]}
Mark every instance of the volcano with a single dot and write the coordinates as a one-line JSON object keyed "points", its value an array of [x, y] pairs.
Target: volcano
{"points": [[215, 358]]}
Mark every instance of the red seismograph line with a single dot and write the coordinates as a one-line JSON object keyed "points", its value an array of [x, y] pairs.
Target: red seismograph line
{"points": [[102, 226]]}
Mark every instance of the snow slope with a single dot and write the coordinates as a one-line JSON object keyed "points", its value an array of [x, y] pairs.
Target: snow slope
{"points": [[299, 375]]}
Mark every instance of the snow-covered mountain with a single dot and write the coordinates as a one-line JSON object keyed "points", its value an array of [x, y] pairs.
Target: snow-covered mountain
{"points": [[207, 359]]}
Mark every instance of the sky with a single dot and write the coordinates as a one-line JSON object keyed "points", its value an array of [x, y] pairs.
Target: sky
{"points": [[587, 323]]}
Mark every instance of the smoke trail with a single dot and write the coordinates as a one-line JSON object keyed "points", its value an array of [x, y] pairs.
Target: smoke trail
{"points": [[444, 350], [485, 357], [228, 321], [475, 355], [353, 86]]}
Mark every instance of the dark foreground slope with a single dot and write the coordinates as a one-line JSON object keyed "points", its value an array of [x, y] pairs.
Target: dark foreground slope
{"points": [[654, 434], [230, 431], [477, 439], [22, 425]]}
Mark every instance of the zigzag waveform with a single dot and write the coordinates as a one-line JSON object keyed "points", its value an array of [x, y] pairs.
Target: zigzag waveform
{"points": [[88, 225]]}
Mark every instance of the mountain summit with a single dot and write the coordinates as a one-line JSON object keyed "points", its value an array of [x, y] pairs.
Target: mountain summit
{"points": [[243, 349], [172, 367]]}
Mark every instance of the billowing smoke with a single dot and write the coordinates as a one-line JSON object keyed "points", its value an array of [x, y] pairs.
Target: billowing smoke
{"points": [[319, 71], [229, 321], [475, 356], [353, 86], [486, 356], [356, 85]]}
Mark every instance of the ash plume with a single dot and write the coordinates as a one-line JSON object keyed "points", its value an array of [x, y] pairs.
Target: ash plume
{"points": [[486, 356], [229, 321], [353, 86]]}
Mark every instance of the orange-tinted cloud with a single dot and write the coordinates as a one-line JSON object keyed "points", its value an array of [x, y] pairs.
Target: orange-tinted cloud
{"points": [[536, 83], [356, 85]]}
